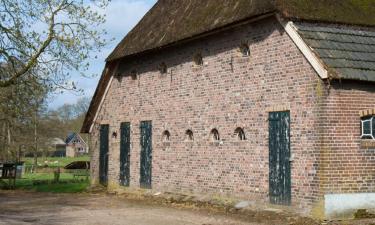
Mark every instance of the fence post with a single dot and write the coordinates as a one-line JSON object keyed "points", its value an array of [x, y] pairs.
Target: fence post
{"points": [[15, 176]]}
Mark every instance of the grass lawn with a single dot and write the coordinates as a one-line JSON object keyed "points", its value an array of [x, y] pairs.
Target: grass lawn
{"points": [[54, 161], [43, 179], [43, 182]]}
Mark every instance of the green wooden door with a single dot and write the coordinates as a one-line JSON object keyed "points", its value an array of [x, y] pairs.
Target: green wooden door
{"points": [[146, 154], [279, 158], [103, 154], [125, 154]]}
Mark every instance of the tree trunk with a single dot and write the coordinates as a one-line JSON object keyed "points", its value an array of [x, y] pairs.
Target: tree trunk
{"points": [[19, 153], [3, 142], [10, 142], [35, 142], [8, 134]]}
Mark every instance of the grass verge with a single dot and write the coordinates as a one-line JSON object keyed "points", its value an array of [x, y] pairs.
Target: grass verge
{"points": [[44, 182]]}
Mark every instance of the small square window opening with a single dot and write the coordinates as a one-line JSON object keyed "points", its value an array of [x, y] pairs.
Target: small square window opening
{"points": [[189, 135], [214, 135], [163, 68], [166, 136], [368, 128], [240, 133], [133, 74], [245, 49], [198, 59]]}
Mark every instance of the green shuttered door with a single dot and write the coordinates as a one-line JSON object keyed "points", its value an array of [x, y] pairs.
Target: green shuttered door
{"points": [[103, 155], [146, 154], [125, 154], [279, 158]]}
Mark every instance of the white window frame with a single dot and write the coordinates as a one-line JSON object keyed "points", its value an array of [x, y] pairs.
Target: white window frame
{"points": [[371, 135]]}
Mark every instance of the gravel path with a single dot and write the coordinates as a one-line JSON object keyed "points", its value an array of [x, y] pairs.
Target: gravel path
{"points": [[97, 209], [29, 208]]}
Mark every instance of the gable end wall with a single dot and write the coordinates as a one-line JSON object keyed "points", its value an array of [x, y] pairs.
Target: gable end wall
{"points": [[227, 92]]}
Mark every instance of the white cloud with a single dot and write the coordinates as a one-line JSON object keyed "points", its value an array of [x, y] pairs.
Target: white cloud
{"points": [[122, 16]]}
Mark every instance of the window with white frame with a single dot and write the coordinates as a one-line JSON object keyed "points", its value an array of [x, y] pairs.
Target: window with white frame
{"points": [[368, 127]]}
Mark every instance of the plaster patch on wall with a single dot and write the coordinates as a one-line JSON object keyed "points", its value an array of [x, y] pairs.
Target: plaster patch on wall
{"points": [[345, 205]]}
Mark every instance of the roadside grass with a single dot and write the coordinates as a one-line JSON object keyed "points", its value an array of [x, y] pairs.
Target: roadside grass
{"points": [[42, 178], [54, 162], [44, 182]]}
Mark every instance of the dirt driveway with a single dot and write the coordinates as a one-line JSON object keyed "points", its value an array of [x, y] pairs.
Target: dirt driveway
{"points": [[81, 209]]}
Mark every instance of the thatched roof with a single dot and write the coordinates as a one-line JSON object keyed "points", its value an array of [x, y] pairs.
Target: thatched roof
{"points": [[171, 21]]}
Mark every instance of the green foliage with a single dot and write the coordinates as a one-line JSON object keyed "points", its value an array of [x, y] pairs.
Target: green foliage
{"points": [[19, 105], [67, 119], [29, 127]]}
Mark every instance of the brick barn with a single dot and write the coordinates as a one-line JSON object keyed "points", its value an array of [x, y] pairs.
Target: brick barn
{"points": [[272, 101]]}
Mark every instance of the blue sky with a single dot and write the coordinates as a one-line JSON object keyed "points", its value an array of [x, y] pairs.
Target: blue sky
{"points": [[122, 16]]}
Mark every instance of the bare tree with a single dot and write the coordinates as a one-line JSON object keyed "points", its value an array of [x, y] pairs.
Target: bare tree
{"points": [[46, 39], [17, 107]]}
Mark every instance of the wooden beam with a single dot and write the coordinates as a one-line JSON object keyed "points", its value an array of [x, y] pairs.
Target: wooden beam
{"points": [[313, 59]]}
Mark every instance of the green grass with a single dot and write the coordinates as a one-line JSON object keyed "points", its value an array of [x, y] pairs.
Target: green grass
{"points": [[43, 179], [43, 182], [54, 161]]}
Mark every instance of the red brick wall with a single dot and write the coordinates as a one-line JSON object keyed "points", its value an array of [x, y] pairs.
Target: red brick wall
{"points": [[227, 92], [348, 167]]}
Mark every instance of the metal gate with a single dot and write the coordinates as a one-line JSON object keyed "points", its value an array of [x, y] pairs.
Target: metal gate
{"points": [[279, 158], [146, 154], [125, 154], [103, 155]]}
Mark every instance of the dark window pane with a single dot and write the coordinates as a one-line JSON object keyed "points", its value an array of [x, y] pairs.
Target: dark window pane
{"points": [[366, 127]]}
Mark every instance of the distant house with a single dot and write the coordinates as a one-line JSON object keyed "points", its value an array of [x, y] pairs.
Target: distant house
{"points": [[75, 145], [58, 147]]}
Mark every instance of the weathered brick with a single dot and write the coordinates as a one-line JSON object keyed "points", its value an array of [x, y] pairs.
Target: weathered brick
{"points": [[231, 91]]}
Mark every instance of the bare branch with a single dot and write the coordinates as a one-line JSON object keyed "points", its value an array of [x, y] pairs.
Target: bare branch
{"points": [[66, 45]]}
